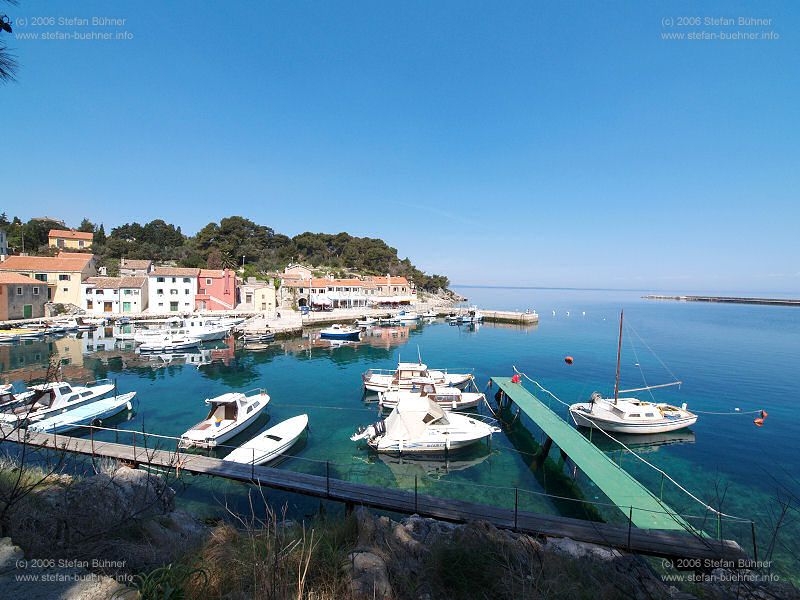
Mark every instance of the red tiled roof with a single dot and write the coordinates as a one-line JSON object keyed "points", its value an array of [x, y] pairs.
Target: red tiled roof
{"points": [[70, 234], [174, 272], [116, 283], [218, 273], [44, 263], [132, 263], [393, 280], [16, 278], [83, 255]]}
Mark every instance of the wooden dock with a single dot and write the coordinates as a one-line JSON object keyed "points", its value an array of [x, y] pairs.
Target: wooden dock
{"points": [[667, 544], [728, 300]]}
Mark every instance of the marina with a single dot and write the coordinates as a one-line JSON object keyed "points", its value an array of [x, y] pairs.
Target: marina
{"points": [[305, 374]]}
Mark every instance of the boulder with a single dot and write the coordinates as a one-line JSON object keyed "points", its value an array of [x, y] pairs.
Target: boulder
{"points": [[369, 577]]}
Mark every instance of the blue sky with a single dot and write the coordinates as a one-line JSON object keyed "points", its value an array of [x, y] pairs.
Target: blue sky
{"points": [[522, 143]]}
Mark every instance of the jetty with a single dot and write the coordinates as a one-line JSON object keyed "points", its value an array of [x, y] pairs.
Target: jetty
{"points": [[636, 502], [673, 542], [728, 300]]}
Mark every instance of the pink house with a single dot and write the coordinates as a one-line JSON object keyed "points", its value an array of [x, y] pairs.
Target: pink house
{"points": [[216, 290]]}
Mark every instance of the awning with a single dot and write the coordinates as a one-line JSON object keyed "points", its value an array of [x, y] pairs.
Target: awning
{"points": [[321, 300]]}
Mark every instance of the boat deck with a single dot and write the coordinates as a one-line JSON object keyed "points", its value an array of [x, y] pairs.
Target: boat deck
{"points": [[632, 498]]}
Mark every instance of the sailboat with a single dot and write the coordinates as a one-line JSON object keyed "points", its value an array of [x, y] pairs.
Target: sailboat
{"points": [[630, 415]]}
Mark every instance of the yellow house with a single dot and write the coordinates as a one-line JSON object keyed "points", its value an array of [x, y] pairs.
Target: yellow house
{"points": [[264, 298], [61, 238], [63, 276]]}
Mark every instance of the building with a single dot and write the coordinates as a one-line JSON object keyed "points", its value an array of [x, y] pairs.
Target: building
{"points": [[257, 295], [115, 295], [3, 245], [296, 271], [132, 268], [67, 238], [171, 289], [392, 290], [81, 256], [340, 293], [62, 276], [21, 297], [216, 290]]}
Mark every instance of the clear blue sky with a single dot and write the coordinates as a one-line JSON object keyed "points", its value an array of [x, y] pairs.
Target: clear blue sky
{"points": [[524, 143]]}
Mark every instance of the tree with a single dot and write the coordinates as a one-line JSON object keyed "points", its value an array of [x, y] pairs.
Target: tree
{"points": [[214, 260], [86, 226], [8, 62], [100, 236]]}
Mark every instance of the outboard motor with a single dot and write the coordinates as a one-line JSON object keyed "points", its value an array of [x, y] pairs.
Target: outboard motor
{"points": [[369, 432]]}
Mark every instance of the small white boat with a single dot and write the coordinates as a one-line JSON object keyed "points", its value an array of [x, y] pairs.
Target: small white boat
{"points": [[420, 425], [407, 315], [449, 398], [270, 444], [89, 414], [169, 343], [630, 415], [229, 415], [472, 316], [49, 399], [263, 337], [380, 380], [366, 322], [66, 324], [340, 332], [429, 314]]}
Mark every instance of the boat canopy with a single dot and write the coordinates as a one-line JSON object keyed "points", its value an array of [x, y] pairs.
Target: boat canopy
{"points": [[411, 367], [227, 398], [412, 416]]}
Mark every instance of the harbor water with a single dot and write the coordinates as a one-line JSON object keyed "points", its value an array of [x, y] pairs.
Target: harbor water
{"points": [[732, 359]]}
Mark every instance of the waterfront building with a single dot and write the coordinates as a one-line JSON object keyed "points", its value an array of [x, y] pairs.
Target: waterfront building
{"points": [[129, 267], [68, 238], [216, 290], [115, 295], [171, 289], [257, 295], [21, 297], [392, 290], [62, 275]]}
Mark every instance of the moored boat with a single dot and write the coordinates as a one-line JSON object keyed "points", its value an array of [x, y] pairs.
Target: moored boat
{"points": [[407, 315], [169, 343], [88, 414], [419, 425], [270, 444], [380, 380], [228, 415], [340, 332], [449, 398], [366, 321], [49, 399]]}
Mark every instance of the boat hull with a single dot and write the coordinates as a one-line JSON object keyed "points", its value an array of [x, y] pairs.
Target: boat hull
{"points": [[340, 336], [582, 419], [255, 452], [67, 422]]}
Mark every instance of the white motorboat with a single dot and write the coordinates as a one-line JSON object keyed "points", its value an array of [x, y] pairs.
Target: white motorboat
{"points": [[263, 337], [472, 316], [169, 343], [380, 380], [66, 324], [630, 415], [449, 398], [429, 314], [49, 399], [270, 444], [89, 414], [228, 415], [420, 425], [204, 329], [407, 315], [366, 321], [340, 332]]}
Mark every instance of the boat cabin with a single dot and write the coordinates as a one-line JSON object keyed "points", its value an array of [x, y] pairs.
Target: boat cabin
{"points": [[406, 371]]}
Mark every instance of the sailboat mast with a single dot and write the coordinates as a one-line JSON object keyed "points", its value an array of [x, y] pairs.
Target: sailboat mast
{"points": [[619, 354]]}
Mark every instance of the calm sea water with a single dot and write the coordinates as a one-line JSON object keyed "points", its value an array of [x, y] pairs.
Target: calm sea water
{"points": [[728, 357]]}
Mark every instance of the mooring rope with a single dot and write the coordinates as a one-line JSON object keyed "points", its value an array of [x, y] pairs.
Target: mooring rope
{"points": [[649, 464]]}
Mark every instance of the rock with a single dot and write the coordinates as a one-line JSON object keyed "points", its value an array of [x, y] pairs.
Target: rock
{"points": [[369, 578], [581, 549]]}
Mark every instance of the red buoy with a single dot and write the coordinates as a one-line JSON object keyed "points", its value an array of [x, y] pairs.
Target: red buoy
{"points": [[759, 422], [515, 378], [569, 360], [763, 414]]}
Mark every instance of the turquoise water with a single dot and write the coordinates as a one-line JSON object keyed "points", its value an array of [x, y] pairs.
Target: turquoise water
{"points": [[728, 356]]}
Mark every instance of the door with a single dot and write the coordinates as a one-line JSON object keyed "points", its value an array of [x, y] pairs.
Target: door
{"points": [[108, 307], [126, 307], [173, 306], [27, 311]]}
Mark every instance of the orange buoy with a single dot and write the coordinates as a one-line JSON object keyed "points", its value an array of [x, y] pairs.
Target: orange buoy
{"points": [[569, 360], [763, 414], [759, 422], [515, 378]]}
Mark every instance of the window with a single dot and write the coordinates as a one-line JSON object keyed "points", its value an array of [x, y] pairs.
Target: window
{"points": [[208, 281], [187, 291], [160, 292], [160, 279], [634, 415], [89, 305], [88, 291], [80, 243], [65, 289], [63, 277], [19, 291], [35, 291], [161, 304], [174, 279], [186, 280], [40, 276], [127, 292], [173, 306], [135, 292], [173, 292]]}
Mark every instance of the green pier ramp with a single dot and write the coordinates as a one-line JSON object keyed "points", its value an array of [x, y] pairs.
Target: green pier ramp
{"points": [[621, 488]]}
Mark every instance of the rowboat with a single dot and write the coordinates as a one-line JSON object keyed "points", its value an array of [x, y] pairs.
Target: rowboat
{"points": [[270, 444]]}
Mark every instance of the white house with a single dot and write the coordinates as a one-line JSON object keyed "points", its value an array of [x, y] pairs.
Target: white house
{"points": [[3, 245], [172, 289], [114, 295]]}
